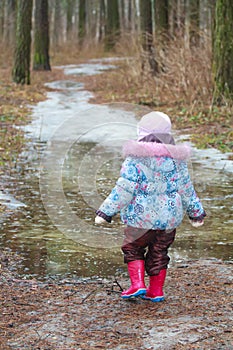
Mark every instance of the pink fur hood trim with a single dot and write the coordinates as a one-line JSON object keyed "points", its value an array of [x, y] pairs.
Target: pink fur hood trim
{"points": [[153, 149]]}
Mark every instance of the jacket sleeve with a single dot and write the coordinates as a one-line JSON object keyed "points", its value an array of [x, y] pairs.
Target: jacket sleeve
{"points": [[123, 192], [190, 201]]}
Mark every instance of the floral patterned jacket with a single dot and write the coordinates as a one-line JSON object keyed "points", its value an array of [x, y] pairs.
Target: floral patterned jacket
{"points": [[154, 190]]}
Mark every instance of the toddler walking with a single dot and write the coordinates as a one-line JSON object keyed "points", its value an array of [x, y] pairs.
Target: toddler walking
{"points": [[152, 194]]}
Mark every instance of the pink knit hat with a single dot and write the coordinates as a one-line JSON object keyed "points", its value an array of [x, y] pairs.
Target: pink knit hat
{"points": [[153, 123]]}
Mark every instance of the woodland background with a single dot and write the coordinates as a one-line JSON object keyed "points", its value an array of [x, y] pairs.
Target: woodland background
{"points": [[178, 54], [173, 55]]}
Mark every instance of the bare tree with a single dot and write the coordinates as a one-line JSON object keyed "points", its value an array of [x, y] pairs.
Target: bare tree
{"points": [[56, 24], [223, 52], [192, 23], [161, 16], [206, 17], [41, 36], [112, 24], [176, 17], [9, 21], [82, 21], [146, 23], [1, 18], [102, 21], [21, 67]]}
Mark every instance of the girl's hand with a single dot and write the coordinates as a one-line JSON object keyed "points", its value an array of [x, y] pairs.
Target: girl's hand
{"points": [[196, 223], [99, 220]]}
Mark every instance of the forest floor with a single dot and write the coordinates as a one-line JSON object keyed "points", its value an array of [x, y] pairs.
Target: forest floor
{"points": [[78, 314]]}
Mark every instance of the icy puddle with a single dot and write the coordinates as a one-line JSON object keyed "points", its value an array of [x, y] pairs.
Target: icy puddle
{"points": [[71, 164]]}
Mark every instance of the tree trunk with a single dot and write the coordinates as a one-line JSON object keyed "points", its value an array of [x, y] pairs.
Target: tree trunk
{"points": [[21, 67], [82, 21], [112, 24], [133, 20], [41, 36], [1, 19], [69, 15], [146, 23], [161, 16], [122, 17], [192, 23], [223, 52], [9, 22], [147, 35], [195, 22], [92, 20], [102, 20], [206, 10], [130, 17], [56, 24], [176, 17]]}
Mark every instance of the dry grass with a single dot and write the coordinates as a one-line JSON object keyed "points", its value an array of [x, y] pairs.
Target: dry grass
{"points": [[183, 88], [14, 109], [184, 78], [71, 53]]}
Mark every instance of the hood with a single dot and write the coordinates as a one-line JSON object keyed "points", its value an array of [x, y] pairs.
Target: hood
{"points": [[153, 149]]}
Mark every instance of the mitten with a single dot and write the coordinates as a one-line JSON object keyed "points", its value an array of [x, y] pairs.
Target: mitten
{"points": [[99, 220], [196, 223]]}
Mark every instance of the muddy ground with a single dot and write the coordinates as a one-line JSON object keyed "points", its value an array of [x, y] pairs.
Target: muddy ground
{"points": [[89, 314]]}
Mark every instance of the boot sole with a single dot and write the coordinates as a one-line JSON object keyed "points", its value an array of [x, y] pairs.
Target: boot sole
{"points": [[140, 292], [154, 300]]}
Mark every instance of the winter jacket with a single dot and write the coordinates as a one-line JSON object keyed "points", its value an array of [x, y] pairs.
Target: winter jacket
{"points": [[154, 189]]}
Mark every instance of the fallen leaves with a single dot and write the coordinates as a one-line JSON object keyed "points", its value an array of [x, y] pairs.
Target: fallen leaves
{"points": [[73, 314]]}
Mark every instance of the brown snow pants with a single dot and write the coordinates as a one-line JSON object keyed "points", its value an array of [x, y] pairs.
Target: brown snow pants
{"points": [[149, 245]]}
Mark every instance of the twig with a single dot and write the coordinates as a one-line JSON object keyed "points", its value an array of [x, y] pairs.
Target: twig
{"points": [[40, 337], [121, 289], [112, 287], [89, 294], [113, 291]]}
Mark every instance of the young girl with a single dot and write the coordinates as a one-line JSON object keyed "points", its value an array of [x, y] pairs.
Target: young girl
{"points": [[152, 194]]}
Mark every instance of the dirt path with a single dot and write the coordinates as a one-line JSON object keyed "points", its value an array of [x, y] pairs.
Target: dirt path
{"points": [[77, 314], [73, 314]]}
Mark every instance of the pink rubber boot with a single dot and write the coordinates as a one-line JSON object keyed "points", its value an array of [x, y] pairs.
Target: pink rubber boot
{"points": [[136, 271], [155, 290]]}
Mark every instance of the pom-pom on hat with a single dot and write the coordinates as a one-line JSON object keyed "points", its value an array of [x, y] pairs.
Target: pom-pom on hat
{"points": [[154, 123]]}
